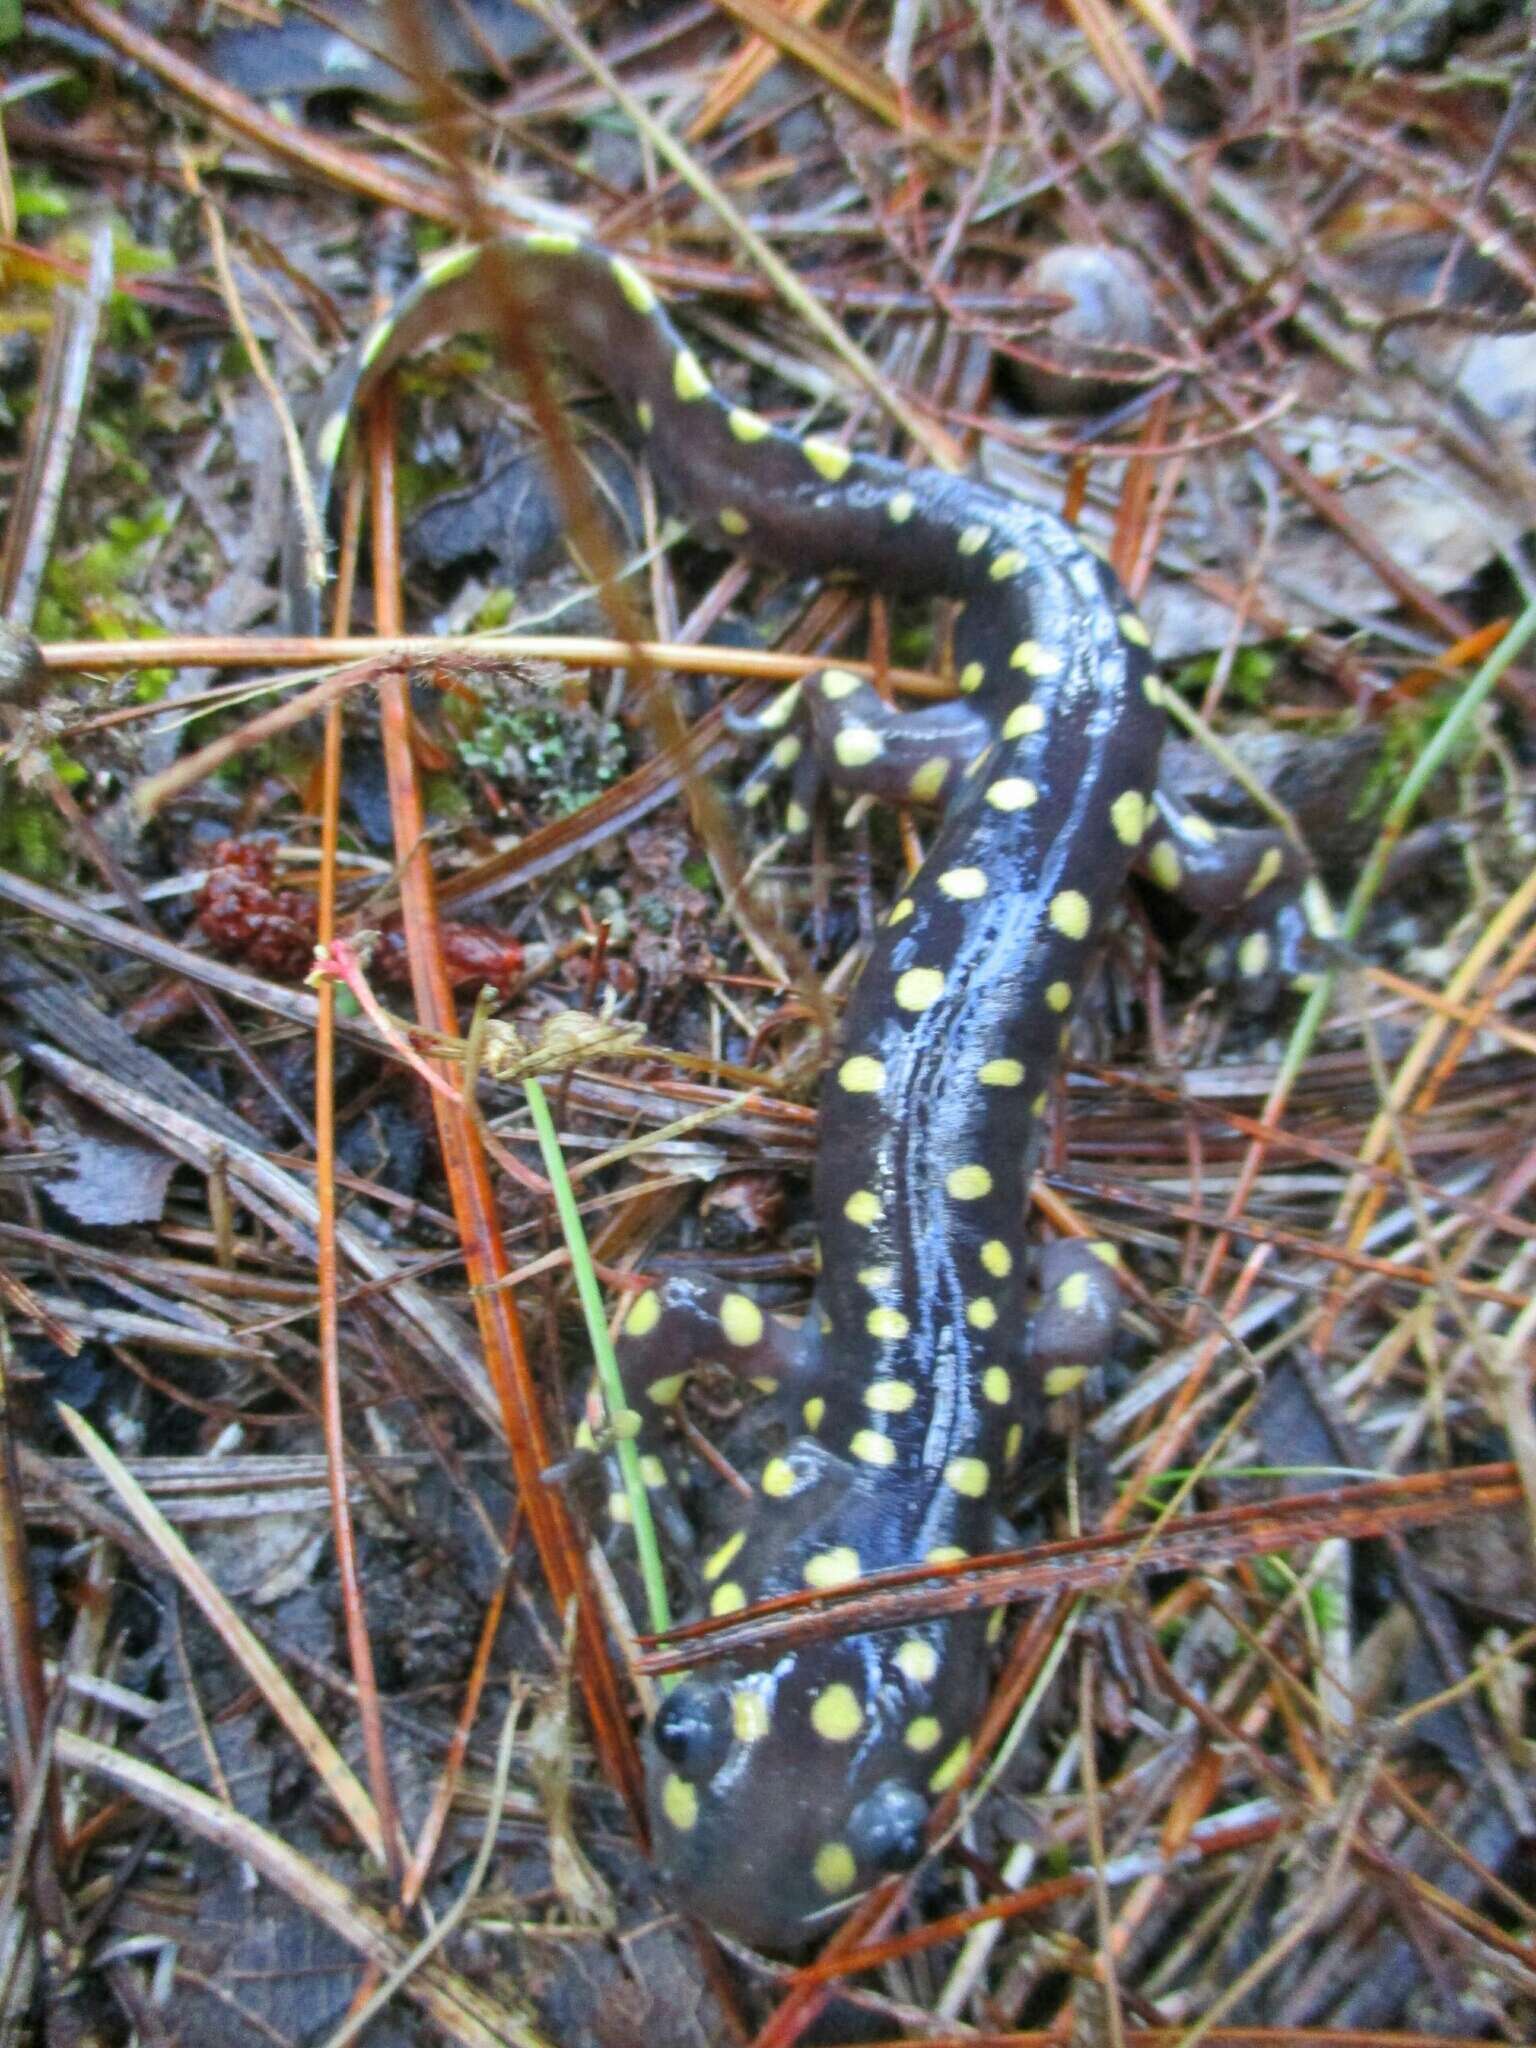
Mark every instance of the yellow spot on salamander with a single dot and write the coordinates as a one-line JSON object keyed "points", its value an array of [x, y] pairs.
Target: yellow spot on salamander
{"points": [[787, 751], [996, 1386], [1069, 913], [1035, 660], [1013, 793], [837, 683], [919, 988], [917, 1660], [974, 539], [857, 745], [814, 1412], [949, 1771], [1001, 1074], [829, 1568], [1152, 689], [778, 1480], [679, 1802], [747, 426], [1271, 861], [996, 1258], [741, 1319], [732, 521], [861, 1075], [644, 1314], [836, 1714], [1164, 865], [964, 884], [720, 1560], [645, 413], [727, 1599], [834, 1869], [900, 508], [972, 676], [968, 1183], [634, 287], [1106, 1253], [665, 1392], [1062, 1380], [780, 711], [619, 1509], [826, 457], [981, 1314], [1253, 954], [889, 1397], [928, 779], [547, 242], [1059, 995], [652, 1470], [901, 910], [1023, 720], [1007, 564], [946, 1553], [796, 818], [1128, 815], [688, 378], [863, 1207], [1074, 1291], [923, 1734], [968, 1476], [888, 1324], [1134, 630]]}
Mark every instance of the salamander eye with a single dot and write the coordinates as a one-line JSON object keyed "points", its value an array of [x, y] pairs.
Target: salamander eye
{"points": [[692, 1728], [885, 1829]]}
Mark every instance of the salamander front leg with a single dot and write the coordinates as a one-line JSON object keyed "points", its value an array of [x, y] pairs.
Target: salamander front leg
{"points": [[667, 1334], [837, 729], [1073, 1327]]}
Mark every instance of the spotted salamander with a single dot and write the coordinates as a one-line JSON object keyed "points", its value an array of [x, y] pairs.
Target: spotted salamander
{"points": [[782, 1788]]}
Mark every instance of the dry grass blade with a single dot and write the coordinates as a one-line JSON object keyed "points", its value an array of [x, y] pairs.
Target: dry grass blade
{"points": [[846, 74], [464, 2013], [38, 492], [314, 1744]]}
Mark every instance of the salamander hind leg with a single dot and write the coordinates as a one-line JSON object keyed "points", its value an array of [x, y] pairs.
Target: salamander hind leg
{"points": [[1260, 910]]}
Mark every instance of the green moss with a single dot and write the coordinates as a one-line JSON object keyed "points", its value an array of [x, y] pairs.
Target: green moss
{"points": [[558, 758], [32, 838], [89, 594], [39, 198], [495, 610], [1251, 672]]}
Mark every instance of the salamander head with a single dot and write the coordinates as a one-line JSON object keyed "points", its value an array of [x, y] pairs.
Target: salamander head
{"points": [[779, 1794]]}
